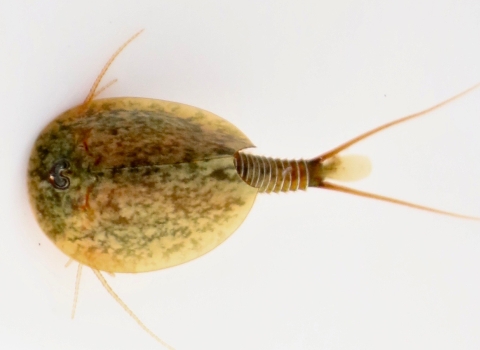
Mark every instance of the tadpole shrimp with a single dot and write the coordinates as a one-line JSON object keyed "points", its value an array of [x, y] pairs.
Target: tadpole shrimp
{"points": [[127, 185]]}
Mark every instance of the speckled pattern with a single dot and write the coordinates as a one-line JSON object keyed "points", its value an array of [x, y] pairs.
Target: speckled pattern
{"points": [[152, 183]]}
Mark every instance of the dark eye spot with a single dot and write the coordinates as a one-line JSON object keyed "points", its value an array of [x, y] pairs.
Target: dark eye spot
{"points": [[57, 175]]}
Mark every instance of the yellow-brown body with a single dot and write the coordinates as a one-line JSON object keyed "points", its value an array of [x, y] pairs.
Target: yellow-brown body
{"points": [[136, 184], [152, 183]]}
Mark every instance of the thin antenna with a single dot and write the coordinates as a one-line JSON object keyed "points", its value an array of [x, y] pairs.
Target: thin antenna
{"points": [[93, 89]]}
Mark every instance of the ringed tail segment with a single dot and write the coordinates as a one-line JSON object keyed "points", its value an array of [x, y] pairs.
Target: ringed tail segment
{"points": [[277, 175], [280, 175], [270, 174]]}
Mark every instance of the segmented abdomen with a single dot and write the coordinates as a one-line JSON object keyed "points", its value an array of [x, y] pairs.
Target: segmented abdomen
{"points": [[272, 175]]}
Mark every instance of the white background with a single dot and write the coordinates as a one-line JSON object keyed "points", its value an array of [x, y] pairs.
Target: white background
{"points": [[316, 270]]}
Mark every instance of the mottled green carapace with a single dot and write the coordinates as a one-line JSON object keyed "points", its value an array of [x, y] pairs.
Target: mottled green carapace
{"points": [[137, 184], [152, 184]]}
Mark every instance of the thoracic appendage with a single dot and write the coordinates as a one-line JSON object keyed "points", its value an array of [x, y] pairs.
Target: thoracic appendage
{"points": [[279, 175]]}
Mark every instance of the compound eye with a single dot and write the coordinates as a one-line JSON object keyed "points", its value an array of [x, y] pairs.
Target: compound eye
{"points": [[56, 176]]}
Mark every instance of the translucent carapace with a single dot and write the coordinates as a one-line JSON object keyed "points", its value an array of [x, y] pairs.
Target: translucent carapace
{"points": [[138, 184]]}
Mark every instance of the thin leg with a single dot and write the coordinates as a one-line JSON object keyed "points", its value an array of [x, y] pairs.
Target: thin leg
{"points": [[94, 87], [77, 288], [127, 309]]}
